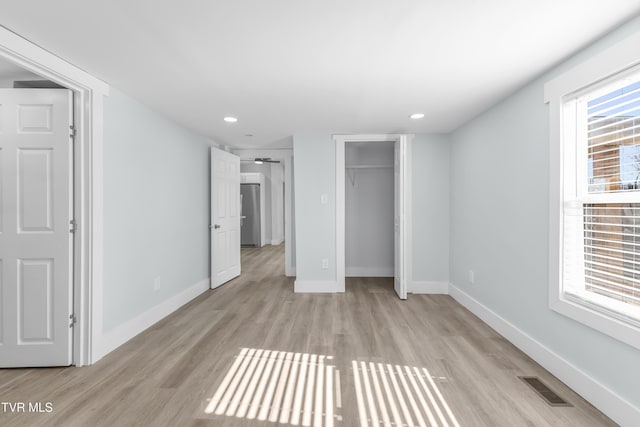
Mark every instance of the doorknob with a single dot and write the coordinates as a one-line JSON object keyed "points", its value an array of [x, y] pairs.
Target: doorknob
{"points": [[216, 226]]}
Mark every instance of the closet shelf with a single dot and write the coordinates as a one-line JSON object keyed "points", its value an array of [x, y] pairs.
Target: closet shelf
{"points": [[368, 166]]}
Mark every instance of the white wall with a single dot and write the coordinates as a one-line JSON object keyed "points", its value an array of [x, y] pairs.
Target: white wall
{"points": [[290, 225], [430, 167], [314, 157], [315, 175], [277, 203], [369, 210], [156, 211], [499, 229]]}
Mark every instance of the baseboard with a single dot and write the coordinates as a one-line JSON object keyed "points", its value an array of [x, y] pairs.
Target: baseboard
{"points": [[317, 286], [369, 271], [428, 287], [606, 400], [276, 242], [123, 333]]}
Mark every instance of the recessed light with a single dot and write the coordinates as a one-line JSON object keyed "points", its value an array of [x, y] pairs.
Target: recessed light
{"points": [[416, 116], [230, 119]]}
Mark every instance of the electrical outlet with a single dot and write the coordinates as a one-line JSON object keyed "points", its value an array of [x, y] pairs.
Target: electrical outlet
{"points": [[156, 284], [325, 263], [472, 277], [324, 199]]}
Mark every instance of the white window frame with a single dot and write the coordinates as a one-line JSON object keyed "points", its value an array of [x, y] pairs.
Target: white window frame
{"points": [[612, 61]]}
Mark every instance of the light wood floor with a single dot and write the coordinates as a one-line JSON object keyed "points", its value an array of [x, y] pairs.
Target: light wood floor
{"points": [[166, 375]]}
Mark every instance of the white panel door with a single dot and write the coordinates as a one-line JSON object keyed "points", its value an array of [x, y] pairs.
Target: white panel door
{"points": [[225, 217], [400, 279], [35, 238]]}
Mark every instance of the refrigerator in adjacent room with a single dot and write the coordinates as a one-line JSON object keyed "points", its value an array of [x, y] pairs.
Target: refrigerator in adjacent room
{"points": [[250, 215]]}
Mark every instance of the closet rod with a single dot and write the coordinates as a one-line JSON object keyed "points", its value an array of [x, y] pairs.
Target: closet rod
{"points": [[367, 166]]}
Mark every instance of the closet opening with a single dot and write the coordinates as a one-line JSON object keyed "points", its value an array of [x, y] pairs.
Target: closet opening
{"points": [[369, 210]]}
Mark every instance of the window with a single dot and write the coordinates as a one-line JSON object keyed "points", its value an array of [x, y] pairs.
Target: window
{"points": [[595, 193], [602, 197]]}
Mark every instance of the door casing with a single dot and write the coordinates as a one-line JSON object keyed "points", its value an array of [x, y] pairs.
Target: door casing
{"points": [[406, 224]]}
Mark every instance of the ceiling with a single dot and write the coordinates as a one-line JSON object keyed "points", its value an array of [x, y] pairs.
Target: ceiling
{"points": [[299, 66]]}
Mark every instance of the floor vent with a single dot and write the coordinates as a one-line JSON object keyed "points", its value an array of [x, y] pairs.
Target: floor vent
{"points": [[545, 392]]}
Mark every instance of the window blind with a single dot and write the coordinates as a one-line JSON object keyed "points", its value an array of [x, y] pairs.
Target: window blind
{"points": [[613, 139], [604, 257], [612, 250]]}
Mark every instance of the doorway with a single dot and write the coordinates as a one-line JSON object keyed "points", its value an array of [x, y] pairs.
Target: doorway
{"points": [[401, 204], [255, 208], [272, 169]]}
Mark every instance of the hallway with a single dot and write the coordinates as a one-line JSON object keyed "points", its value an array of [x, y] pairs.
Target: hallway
{"points": [[168, 374]]}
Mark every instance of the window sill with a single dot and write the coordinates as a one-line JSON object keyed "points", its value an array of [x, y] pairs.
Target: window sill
{"points": [[581, 312]]}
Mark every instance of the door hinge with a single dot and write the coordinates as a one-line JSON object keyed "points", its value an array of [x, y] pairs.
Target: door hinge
{"points": [[73, 226], [72, 319], [72, 129]]}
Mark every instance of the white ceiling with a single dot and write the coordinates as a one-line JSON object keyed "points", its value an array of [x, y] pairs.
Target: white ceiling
{"points": [[331, 66]]}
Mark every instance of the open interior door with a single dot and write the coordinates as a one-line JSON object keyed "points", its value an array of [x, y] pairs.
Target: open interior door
{"points": [[36, 207], [399, 168], [225, 217]]}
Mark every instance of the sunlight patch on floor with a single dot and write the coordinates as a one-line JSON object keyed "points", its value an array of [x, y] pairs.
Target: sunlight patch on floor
{"points": [[277, 386], [399, 396]]}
